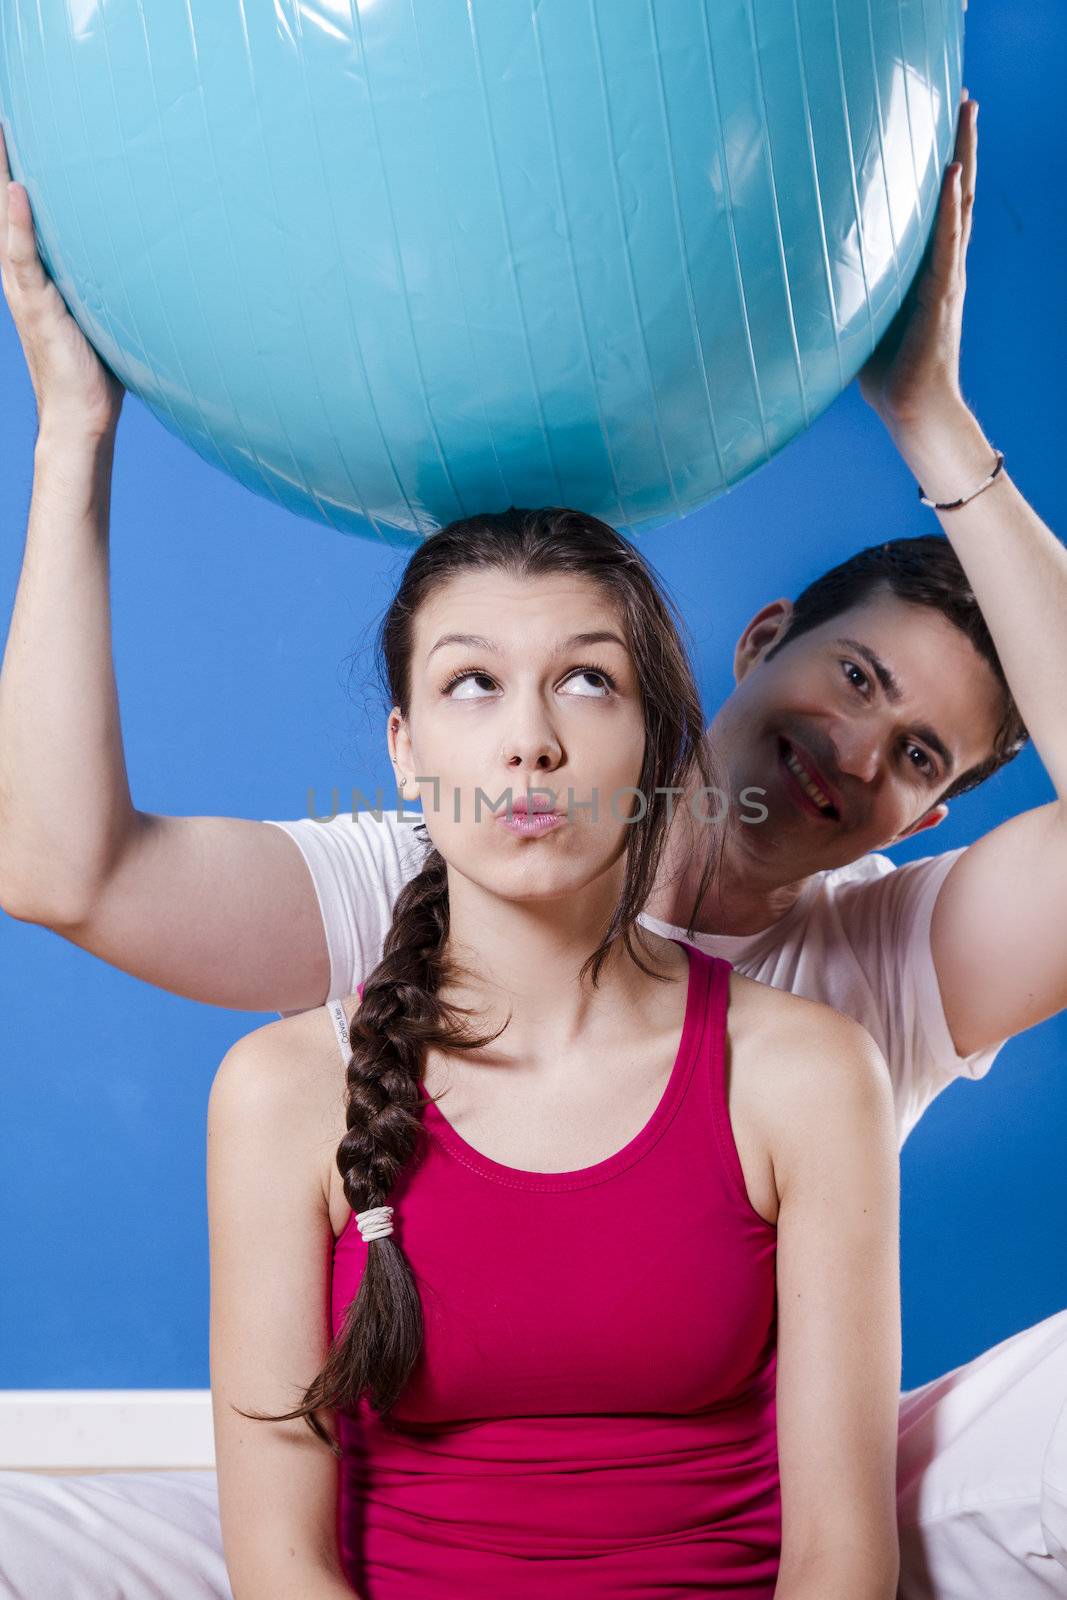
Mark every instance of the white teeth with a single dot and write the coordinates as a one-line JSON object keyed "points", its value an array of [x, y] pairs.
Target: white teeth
{"points": [[805, 782]]}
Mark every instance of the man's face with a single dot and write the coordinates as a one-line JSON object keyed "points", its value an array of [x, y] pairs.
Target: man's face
{"points": [[881, 748]]}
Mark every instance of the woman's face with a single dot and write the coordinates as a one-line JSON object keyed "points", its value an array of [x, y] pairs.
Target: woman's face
{"points": [[539, 694]]}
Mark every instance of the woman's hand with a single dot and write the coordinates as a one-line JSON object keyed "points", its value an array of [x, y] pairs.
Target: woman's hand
{"points": [[76, 393], [914, 374]]}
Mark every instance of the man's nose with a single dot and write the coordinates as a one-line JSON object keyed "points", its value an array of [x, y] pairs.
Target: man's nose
{"points": [[857, 751]]}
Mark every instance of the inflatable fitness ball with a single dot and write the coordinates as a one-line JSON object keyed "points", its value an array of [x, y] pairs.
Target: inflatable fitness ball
{"points": [[392, 262]]}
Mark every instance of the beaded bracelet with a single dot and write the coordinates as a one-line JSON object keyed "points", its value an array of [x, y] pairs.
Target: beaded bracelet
{"points": [[952, 505]]}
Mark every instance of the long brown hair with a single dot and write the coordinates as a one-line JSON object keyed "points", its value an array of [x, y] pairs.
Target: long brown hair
{"points": [[401, 1012]]}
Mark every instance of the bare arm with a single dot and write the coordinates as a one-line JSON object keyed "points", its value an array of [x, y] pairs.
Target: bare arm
{"points": [[218, 909], [997, 928], [997, 931], [272, 1118], [835, 1164]]}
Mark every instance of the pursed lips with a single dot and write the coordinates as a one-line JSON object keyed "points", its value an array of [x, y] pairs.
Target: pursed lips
{"points": [[521, 805]]}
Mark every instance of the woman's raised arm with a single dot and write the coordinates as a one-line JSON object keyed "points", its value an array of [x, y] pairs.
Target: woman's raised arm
{"points": [[837, 1173], [215, 908]]}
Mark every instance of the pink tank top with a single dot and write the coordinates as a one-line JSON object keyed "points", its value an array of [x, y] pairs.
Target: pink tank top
{"points": [[593, 1412]]}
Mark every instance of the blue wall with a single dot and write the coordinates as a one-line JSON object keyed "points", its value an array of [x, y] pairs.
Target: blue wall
{"points": [[234, 625]]}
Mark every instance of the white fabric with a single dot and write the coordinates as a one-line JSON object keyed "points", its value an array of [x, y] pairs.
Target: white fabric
{"points": [[358, 870], [111, 1536], [981, 1487], [857, 938], [982, 1474]]}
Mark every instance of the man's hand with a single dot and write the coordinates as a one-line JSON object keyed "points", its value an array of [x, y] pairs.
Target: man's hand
{"points": [[997, 927], [77, 395], [914, 374]]}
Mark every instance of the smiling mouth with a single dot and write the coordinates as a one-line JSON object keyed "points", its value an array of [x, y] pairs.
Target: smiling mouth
{"points": [[796, 769]]}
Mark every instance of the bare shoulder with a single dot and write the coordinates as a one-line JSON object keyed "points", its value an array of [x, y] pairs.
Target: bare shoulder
{"points": [[285, 1080], [802, 1071], [778, 1013], [282, 1063]]}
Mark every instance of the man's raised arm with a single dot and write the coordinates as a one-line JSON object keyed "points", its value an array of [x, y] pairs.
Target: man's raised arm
{"points": [[215, 908], [999, 929]]}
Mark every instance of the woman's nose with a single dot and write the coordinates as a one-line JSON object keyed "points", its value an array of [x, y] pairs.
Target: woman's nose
{"points": [[532, 744], [540, 755]]}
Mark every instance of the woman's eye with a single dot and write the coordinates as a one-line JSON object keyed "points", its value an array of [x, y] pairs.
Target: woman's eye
{"points": [[850, 666], [464, 678], [593, 672], [471, 676]]}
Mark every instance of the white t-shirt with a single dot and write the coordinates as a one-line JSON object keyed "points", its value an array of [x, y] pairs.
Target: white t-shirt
{"points": [[857, 938]]}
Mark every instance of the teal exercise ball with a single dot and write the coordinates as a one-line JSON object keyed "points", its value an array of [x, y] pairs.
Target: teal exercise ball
{"points": [[392, 262]]}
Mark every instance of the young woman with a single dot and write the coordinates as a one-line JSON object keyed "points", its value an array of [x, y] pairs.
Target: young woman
{"points": [[574, 1270]]}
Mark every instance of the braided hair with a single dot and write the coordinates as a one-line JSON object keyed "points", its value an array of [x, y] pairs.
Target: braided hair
{"points": [[402, 1012]]}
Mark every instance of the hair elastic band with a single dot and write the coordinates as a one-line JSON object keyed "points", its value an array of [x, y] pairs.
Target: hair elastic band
{"points": [[377, 1223]]}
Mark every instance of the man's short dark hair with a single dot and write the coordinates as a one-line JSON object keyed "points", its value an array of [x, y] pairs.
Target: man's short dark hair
{"points": [[924, 571]]}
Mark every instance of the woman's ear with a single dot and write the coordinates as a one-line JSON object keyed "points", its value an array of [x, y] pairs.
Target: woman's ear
{"points": [[400, 752]]}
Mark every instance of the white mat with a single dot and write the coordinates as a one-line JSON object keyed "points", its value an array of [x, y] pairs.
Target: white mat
{"points": [[111, 1536]]}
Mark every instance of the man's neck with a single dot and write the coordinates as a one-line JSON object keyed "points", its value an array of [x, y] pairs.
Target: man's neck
{"points": [[740, 898]]}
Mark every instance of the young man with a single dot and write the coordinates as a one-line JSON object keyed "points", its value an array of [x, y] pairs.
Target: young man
{"points": [[886, 688]]}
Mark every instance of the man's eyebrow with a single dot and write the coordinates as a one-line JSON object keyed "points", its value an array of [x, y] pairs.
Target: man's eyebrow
{"points": [[475, 641], [894, 694], [890, 687]]}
